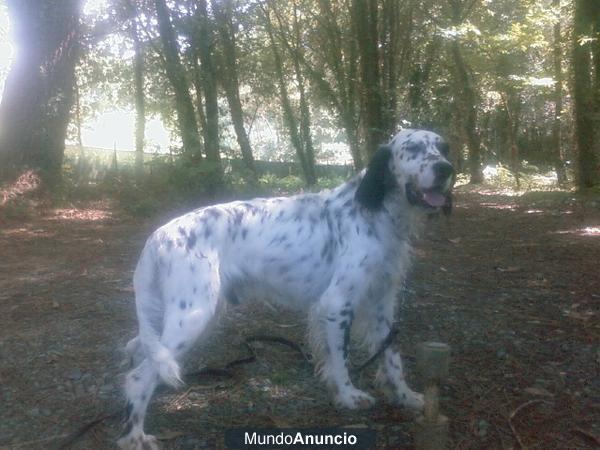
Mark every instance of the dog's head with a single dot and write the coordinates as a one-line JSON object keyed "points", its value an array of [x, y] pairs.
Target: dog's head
{"points": [[414, 163]]}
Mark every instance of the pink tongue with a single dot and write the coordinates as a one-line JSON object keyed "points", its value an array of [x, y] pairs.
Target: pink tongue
{"points": [[434, 199]]}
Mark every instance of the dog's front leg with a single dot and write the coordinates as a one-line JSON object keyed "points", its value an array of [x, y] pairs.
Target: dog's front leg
{"points": [[331, 320], [390, 374]]}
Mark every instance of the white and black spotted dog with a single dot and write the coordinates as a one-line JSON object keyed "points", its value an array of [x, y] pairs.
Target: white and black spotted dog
{"points": [[338, 255]]}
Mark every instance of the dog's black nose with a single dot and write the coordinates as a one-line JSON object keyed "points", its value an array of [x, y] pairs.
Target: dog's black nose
{"points": [[443, 172]]}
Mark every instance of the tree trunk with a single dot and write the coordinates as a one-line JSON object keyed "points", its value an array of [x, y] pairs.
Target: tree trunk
{"points": [[595, 19], [231, 85], [197, 81], [583, 98], [557, 153], [364, 16], [186, 119], [305, 133], [139, 99], [208, 77], [468, 102], [419, 79], [512, 108], [38, 93], [341, 56], [286, 105]]}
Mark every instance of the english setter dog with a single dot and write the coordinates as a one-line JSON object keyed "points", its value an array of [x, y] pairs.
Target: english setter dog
{"points": [[340, 256]]}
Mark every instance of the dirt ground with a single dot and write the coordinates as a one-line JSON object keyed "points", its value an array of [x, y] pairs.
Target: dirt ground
{"points": [[512, 283]]}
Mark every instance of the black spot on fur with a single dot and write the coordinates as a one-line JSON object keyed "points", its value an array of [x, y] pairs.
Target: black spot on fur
{"points": [[237, 217], [214, 213], [191, 240], [416, 148], [279, 239], [347, 312], [244, 232], [346, 329], [182, 304], [325, 249], [377, 181]]}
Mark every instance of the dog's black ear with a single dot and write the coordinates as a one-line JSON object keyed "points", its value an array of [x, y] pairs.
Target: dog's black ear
{"points": [[377, 180]]}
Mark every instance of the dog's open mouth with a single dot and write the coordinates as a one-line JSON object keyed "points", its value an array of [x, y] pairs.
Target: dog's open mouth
{"points": [[431, 198]]}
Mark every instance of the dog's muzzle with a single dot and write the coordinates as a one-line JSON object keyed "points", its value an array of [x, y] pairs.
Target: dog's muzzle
{"points": [[439, 194]]}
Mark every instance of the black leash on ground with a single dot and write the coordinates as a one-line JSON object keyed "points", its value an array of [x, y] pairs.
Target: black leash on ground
{"points": [[227, 372], [389, 339]]}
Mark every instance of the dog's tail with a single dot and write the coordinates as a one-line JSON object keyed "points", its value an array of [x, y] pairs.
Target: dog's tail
{"points": [[150, 311]]}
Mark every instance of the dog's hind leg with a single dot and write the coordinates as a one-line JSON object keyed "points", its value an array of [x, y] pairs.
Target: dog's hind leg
{"points": [[191, 301], [139, 387]]}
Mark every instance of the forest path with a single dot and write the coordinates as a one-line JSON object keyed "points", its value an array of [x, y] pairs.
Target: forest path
{"points": [[511, 283]]}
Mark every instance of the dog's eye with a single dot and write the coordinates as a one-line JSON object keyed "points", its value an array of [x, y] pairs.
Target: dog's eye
{"points": [[443, 148]]}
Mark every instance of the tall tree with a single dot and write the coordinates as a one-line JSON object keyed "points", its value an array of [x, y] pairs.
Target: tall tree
{"points": [[365, 17], [39, 90], [186, 118], [288, 112], [204, 41], [338, 56], [292, 42], [231, 82], [466, 91], [584, 26], [138, 93], [557, 57]]}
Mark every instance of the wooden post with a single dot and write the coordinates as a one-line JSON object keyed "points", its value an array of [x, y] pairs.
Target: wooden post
{"points": [[433, 360]]}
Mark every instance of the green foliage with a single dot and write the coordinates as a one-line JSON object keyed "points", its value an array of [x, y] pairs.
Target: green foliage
{"points": [[281, 185], [170, 182]]}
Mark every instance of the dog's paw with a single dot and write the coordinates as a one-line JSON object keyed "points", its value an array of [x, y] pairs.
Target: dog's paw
{"points": [[399, 393], [353, 398], [409, 399], [138, 442]]}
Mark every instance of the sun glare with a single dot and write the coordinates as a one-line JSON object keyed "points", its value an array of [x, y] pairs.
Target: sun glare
{"points": [[116, 128], [6, 46], [585, 231]]}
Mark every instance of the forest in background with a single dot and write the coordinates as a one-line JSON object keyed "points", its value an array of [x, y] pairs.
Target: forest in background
{"points": [[514, 82]]}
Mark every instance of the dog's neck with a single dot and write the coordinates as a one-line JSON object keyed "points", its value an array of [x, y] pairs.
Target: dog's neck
{"points": [[395, 218], [406, 221]]}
